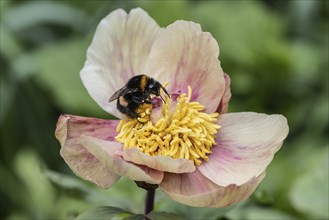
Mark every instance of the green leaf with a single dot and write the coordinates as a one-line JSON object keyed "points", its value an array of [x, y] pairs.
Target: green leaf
{"points": [[254, 21], [159, 11], [58, 70], [70, 185], [27, 167], [310, 192], [118, 195], [135, 217], [11, 187], [164, 204], [9, 46], [6, 97], [102, 213], [33, 13], [4, 5], [163, 216], [253, 212], [263, 196]]}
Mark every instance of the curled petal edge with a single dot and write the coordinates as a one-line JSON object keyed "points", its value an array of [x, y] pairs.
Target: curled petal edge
{"points": [[161, 163], [194, 189], [246, 144], [110, 155], [224, 103], [81, 162]]}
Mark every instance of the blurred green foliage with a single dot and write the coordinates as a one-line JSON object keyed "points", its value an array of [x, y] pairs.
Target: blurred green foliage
{"points": [[276, 53]]}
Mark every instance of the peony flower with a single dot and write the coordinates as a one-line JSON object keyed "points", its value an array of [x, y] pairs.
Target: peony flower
{"points": [[198, 154]]}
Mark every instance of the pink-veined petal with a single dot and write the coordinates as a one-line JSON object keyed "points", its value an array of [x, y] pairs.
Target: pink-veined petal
{"points": [[110, 155], [184, 55], [68, 130], [119, 50], [194, 189], [223, 105], [246, 144], [161, 163]]}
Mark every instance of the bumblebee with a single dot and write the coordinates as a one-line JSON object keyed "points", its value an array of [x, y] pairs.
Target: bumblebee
{"points": [[136, 92]]}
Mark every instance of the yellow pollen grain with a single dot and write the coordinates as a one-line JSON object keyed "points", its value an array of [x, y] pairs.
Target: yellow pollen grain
{"points": [[183, 132]]}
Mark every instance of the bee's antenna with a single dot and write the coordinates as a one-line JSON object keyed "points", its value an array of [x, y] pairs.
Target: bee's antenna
{"points": [[163, 88], [162, 98]]}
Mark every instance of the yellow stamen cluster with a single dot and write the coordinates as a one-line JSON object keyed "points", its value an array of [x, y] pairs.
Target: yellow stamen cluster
{"points": [[183, 131]]}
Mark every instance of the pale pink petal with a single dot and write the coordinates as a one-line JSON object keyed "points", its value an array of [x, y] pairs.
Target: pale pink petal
{"points": [[68, 130], [161, 163], [223, 105], [119, 50], [246, 144], [184, 55], [109, 154], [194, 189]]}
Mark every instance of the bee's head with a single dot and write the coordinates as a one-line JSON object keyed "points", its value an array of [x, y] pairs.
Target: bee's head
{"points": [[154, 87]]}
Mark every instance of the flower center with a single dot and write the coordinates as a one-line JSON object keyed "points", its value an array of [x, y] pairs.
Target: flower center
{"points": [[176, 128]]}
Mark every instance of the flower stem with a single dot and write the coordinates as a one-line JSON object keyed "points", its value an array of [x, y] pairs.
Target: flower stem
{"points": [[149, 201]]}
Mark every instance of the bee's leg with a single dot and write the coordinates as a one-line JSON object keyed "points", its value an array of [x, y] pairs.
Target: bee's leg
{"points": [[138, 100], [131, 109], [122, 109], [162, 98], [133, 114], [163, 88], [141, 100]]}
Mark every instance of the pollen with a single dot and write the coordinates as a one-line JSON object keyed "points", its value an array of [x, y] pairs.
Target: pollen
{"points": [[182, 131]]}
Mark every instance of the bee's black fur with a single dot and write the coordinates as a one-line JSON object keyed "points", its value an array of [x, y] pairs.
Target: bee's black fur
{"points": [[136, 92]]}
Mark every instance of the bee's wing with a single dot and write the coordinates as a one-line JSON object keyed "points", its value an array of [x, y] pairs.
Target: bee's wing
{"points": [[122, 91], [117, 94]]}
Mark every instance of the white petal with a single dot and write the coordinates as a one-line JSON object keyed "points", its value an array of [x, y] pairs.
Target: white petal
{"points": [[224, 102], [246, 144], [184, 55], [110, 155], [119, 50], [194, 189], [68, 130]]}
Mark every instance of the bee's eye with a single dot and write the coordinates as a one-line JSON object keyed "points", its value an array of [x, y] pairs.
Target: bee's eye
{"points": [[152, 84]]}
